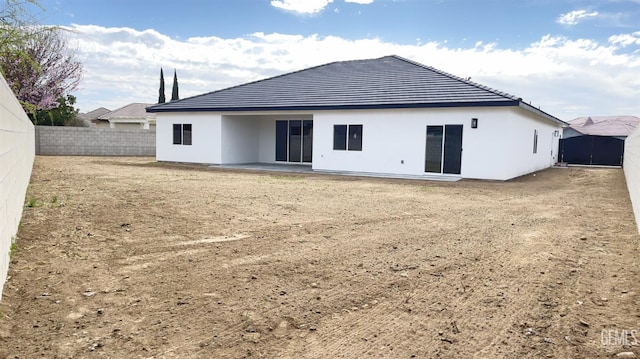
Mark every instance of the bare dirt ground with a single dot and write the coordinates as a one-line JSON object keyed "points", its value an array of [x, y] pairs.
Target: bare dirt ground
{"points": [[127, 258]]}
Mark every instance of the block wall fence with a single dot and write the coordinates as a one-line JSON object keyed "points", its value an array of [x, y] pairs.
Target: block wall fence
{"points": [[16, 161], [631, 167], [92, 141]]}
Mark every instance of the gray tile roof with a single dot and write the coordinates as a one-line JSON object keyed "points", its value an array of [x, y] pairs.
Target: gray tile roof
{"points": [[387, 82]]}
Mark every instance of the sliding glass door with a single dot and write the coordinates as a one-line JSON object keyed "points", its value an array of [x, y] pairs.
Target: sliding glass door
{"points": [[452, 149], [307, 140], [443, 149], [294, 140], [433, 157]]}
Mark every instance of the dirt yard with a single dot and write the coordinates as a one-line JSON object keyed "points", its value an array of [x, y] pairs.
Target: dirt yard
{"points": [[127, 258]]}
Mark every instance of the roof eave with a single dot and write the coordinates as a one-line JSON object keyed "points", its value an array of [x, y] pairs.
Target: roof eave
{"points": [[539, 112], [339, 107]]}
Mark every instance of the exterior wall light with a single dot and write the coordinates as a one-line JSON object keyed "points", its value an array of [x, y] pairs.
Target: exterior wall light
{"points": [[474, 123]]}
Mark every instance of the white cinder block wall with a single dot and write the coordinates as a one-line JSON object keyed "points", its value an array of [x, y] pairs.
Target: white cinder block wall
{"points": [[17, 152], [632, 171]]}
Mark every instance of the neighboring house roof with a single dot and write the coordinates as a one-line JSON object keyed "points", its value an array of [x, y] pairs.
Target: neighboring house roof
{"points": [[133, 110], [605, 125], [386, 82], [92, 115]]}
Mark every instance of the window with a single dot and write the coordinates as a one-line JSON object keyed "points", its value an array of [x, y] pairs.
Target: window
{"points": [[535, 141], [295, 140], [282, 135], [182, 134], [339, 137], [186, 134], [177, 134], [347, 137], [355, 138]]}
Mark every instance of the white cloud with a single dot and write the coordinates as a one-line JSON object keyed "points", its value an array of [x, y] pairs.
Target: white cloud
{"points": [[301, 6], [361, 2], [565, 77], [626, 39], [574, 17]]}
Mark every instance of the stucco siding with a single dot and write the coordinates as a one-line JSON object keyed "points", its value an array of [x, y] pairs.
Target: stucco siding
{"points": [[17, 152], [206, 138], [267, 140], [500, 148], [101, 124], [239, 139], [393, 141], [632, 171], [520, 158], [483, 148]]}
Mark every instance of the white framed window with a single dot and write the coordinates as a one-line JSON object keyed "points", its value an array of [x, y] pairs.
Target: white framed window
{"points": [[347, 137], [182, 134]]}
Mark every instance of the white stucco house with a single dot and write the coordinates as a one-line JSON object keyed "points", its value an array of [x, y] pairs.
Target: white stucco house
{"points": [[381, 116]]}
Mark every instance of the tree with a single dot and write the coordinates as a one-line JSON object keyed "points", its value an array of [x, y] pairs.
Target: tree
{"points": [[161, 98], [64, 114], [174, 92], [13, 19], [35, 59], [41, 68]]}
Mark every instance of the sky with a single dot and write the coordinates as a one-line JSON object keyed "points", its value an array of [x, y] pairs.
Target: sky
{"points": [[571, 58]]}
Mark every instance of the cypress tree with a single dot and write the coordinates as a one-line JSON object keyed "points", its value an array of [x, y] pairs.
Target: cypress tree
{"points": [[161, 98], [174, 92]]}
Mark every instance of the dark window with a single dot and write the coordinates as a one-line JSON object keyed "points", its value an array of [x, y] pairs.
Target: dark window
{"points": [[347, 137], [433, 158], [535, 141], [186, 134], [307, 140], [339, 137], [177, 134], [182, 134], [295, 141], [282, 135], [355, 137]]}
